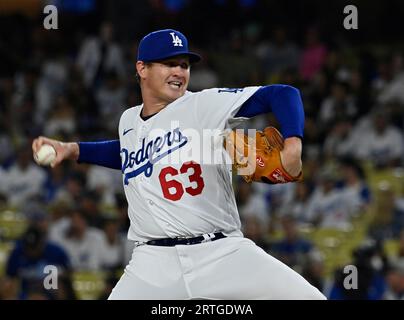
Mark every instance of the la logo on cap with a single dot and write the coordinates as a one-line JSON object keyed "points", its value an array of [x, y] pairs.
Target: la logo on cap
{"points": [[177, 42]]}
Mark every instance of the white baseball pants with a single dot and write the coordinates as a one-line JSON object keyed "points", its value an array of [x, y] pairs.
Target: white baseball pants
{"points": [[229, 268]]}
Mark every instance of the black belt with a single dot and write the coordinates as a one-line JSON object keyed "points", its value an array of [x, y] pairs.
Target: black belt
{"points": [[170, 242]]}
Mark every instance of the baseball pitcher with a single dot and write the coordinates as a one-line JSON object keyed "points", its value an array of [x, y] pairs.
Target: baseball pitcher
{"points": [[176, 152]]}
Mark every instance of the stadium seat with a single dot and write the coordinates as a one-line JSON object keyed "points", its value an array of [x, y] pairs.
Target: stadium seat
{"points": [[391, 247], [12, 224], [88, 285]]}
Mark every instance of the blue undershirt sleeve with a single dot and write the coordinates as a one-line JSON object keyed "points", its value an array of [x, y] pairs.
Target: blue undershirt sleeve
{"points": [[283, 101], [102, 153]]}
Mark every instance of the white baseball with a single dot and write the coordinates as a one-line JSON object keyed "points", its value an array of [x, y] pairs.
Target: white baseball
{"points": [[45, 155]]}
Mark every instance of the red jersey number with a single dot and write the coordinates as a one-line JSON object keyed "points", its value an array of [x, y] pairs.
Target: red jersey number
{"points": [[173, 189]]}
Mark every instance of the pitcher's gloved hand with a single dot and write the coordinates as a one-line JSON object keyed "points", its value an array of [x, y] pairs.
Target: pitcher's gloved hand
{"points": [[267, 156]]}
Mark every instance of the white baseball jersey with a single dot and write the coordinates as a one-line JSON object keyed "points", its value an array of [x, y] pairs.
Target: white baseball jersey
{"points": [[172, 191]]}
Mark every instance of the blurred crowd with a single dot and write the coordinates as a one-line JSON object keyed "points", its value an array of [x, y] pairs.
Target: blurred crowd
{"points": [[75, 214]]}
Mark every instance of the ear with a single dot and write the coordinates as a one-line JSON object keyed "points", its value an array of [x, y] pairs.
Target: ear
{"points": [[141, 69]]}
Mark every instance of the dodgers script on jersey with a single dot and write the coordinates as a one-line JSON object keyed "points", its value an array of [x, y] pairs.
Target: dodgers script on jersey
{"points": [[174, 176]]}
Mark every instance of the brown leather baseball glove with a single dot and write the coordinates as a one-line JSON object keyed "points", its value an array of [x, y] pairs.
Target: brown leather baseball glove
{"points": [[259, 159]]}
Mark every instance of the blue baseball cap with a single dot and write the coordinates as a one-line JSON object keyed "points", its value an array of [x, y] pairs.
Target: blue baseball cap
{"points": [[163, 44]]}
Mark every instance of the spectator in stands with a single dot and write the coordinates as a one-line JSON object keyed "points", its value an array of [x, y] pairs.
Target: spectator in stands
{"points": [[329, 206], [89, 204], [24, 180], [55, 181], [279, 54], [22, 110], [61, 119], [83, 102], [52, 80], [369, 281], [313, 55], [26, 263], [380, 142], [313, 138], [37, 216], [82, 243], [337, 142], [112, 248], [392, 90], [99, 55], [339, 105], [356, 189], [252, 203], [105, 182], [292, 249], [73, 188], [203, 76], [110, 98], [297, 207], [383, 76]]}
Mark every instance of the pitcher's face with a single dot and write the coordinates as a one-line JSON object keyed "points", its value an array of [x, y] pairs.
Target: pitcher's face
{"points": [[166, 80]]}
